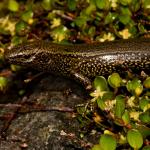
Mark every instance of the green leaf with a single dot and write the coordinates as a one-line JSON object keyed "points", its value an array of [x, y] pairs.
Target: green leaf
{"points": [[20, 27], [135, 87], [27, 15], [126, 11], [108, 96], [101, 100], [102, 4], [16, 40], [146, 147], [81, 21], [81, 110], [3, 83], [143, 103], [91, 8], [125, 2], [126, 117], [146, 4], [96, 147], [120, 106], [92, 31], [110, 17], [100, 84], [135, 138], [144, 130], [101, 103], [60, 33], [145, 117], [132, 29], [13, 5], [108, 142], [15, 68], [135, 5], [47, 4], [125, 19], [141, 28], [114, 80], [71, 4], [21, 92], [146, 83]]}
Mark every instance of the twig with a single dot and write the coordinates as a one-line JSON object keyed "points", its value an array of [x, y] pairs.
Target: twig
{"points": [[10, 106], [64, 16]]}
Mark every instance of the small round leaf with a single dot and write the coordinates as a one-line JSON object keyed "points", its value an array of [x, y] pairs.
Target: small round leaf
{"points": [[144, 103], [13, 5], [96, 147], [145, 117], [126, 117], [100, 83], [114, 80], [47, 4], [135, 87], [27, 15], [108, 142], [146, 147], [20, 27], [146, 83], [3, 83], [120, 106], [135, 138]]}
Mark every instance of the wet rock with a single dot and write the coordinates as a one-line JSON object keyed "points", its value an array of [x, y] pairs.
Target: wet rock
{"points": [[48, 130]]}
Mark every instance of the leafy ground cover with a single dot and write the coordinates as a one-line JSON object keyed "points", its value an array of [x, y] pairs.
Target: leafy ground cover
{"points": [[120, 107]]}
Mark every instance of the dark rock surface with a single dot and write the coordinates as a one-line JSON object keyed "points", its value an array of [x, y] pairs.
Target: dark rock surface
{"points": [[48, 130]]}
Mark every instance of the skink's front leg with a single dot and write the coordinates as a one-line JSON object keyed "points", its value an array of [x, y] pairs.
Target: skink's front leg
{"points": [[82, 79]]}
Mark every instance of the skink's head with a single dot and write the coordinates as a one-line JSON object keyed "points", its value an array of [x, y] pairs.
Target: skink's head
{"points": [[22, 54]]}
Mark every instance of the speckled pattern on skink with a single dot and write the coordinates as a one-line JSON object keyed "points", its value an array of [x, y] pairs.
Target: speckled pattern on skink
{"points": [[83, 61]]}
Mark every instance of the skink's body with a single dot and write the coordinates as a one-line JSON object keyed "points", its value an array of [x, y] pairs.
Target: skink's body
{"points": [[83, 62]]}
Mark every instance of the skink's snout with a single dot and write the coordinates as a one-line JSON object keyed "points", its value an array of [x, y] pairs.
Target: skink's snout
{"points": [[11, 54], [22, 54], [7, 55]]}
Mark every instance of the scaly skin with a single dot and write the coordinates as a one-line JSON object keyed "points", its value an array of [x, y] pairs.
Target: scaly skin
{"points": [[83, 62]]}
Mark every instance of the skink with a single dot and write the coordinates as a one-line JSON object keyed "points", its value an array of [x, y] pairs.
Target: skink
{"points": [[83, 61]]}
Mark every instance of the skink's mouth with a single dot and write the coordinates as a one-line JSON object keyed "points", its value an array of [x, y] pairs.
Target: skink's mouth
{"points": [[11, 53], [20, 58], [8, 55]]}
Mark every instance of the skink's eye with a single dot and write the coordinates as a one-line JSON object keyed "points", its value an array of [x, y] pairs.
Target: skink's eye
{"points": [[27, 57]]}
